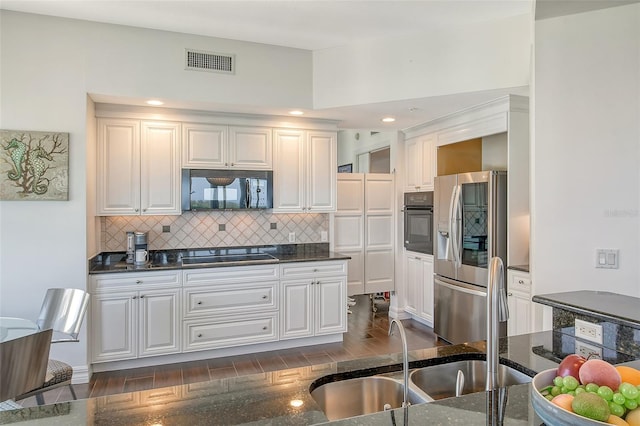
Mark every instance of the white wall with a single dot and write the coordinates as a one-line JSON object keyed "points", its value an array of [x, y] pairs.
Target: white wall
{"points": [[441, 61], [586, 151], [47, 67]]}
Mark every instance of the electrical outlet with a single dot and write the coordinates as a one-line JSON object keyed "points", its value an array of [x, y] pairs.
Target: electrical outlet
{"points": [[589, 331], [323, 236], [588, 351], [292, 237]]}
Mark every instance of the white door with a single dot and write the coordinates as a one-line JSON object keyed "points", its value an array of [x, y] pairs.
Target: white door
{"points": [[204, 146], [426, 296], [118, 174], [288, 175], [159, 331], [413, 266], [114, 326], [427, 169], [250, 148], [160, 168], [296, 309], [379, 232], [519, 321], [321, 171], [330, 305], [412, 156]]}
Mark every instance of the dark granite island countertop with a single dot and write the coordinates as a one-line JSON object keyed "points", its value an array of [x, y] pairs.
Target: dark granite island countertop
{"points": [[617, 308], [264, 399]]}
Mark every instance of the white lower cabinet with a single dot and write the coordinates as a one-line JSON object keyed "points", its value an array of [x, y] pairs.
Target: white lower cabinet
{"points": [[315, 301], [136, 315], [519, 303], [419, 285], [133, 324]]}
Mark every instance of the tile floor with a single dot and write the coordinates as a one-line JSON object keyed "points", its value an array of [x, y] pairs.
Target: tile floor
{"points": [[367, 337]]}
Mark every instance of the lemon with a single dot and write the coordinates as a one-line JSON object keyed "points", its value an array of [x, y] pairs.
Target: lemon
{"points": [[591, 406]]}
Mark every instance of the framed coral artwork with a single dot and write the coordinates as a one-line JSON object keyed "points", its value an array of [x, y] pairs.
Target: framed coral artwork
{"points": [[34, 165]]}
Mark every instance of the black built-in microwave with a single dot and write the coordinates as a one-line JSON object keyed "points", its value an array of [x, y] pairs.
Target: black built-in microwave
{"points": [[418, 221], [226, 189]]}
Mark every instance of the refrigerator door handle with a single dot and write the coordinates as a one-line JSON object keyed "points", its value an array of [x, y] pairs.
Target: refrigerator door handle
{"points": [[450, 230], [462, 289], [455, 226]]}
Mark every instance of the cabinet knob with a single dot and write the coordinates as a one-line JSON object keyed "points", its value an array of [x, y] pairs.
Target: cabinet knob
{"points": [[265, 327], [199, 334], [135, 210], [142, 297], [199, 303], [144, 210], [232, 164], [520, 282], [138, 281], [315, 270], [509, 294], [265, 297], [134, 297], [226, 164], [417, 187]]}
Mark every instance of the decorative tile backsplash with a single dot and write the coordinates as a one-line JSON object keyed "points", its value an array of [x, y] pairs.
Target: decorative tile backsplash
{"points": [[203, 229]]}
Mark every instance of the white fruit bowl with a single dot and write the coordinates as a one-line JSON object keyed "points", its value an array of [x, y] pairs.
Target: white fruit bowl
{"points": [[550, 413]]}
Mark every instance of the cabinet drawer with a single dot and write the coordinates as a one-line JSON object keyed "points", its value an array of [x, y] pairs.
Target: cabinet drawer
{"points": [[231, 331], [520, 282], [222, 299], [222, 275], [136, 280], [293, 270]]}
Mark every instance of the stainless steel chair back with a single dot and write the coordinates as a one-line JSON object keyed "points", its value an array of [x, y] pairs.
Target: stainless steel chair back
{"points": [[63, 310], [23, 363]]}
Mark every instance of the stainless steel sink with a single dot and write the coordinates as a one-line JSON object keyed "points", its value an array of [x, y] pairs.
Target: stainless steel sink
{"points": [[439, 381], [363, 395]]}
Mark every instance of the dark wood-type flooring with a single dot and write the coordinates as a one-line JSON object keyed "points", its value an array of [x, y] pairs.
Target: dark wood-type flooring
{"points": [[367, 336]]}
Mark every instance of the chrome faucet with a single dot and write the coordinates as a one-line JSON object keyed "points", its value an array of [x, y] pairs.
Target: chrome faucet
{"points": [[497, 311], [405, 359]]}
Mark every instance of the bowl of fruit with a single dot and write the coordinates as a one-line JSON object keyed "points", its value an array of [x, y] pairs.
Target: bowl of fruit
{"points": [[587, 392]]}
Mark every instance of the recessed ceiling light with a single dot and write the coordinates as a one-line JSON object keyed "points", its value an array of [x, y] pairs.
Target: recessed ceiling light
{"points": [[388, 120], [155, 102], [296, 112]]}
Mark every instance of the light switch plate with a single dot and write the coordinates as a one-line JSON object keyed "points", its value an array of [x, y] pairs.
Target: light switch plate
{"points": [[607, 258]]}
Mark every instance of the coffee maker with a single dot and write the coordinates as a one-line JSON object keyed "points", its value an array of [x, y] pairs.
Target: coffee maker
{"points": [[140, 241], [131, 248]]}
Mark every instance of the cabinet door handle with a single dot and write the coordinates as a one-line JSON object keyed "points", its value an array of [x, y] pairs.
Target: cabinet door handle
{"points": [[265, 327], [144, 210], [199, 303], [509, 294], [199, 334], [138, 281], [135, 210], [134, 297], [226, 164], [520, 282], [232, 164], [142, 297], [265, 297]]}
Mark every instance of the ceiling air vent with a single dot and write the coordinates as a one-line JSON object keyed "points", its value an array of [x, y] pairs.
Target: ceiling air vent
{"points": [[209, 61]]}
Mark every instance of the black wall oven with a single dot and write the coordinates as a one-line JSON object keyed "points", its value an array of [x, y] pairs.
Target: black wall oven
{"points": [[418, 221]]}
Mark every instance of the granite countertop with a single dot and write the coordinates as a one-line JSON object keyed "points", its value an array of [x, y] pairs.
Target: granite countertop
{"points": [[613, 307], [264, 399], [110, 262]]}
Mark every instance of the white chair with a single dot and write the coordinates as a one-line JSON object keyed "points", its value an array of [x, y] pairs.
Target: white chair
{"points": [[63, 311]]}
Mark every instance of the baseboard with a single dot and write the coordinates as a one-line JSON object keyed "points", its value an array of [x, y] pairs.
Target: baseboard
{"points": [[400, 314], [80, 374]]}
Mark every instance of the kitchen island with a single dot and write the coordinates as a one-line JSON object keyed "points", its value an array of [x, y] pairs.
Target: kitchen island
{"points": [[265, 399]]}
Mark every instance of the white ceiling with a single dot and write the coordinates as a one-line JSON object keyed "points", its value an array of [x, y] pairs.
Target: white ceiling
{"points": [[304, 24]]}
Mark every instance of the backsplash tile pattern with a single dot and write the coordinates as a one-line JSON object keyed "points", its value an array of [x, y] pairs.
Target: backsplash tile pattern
{"points": [[200, 229]]}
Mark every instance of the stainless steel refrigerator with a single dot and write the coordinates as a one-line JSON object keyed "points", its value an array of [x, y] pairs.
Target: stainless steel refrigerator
{"points": [[470, 215]]}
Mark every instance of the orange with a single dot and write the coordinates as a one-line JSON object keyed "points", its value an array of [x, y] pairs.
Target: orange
{"points": [[633, 417], [629, 374], [615, 420]]}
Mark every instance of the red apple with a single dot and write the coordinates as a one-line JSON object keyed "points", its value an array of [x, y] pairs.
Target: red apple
{"points": [[570, 366]]}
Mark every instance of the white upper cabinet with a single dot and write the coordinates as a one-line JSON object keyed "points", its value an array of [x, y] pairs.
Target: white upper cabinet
{"points": [[138, 167], [211, 146], [304, 171], [420, 163]]}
